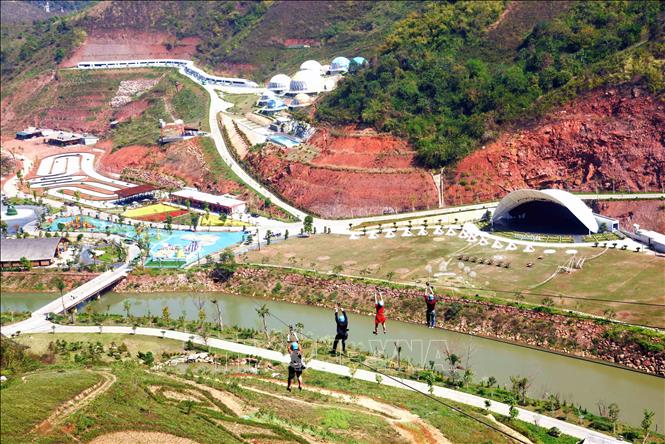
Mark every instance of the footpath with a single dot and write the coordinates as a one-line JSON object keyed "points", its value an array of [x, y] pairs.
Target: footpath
{"points": [[573, 430]]}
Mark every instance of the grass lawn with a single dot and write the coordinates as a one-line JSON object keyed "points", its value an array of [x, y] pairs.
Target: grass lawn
{"points": [[242, 103], [39, 342], [149, 210], [24, 405], [615, 275]]}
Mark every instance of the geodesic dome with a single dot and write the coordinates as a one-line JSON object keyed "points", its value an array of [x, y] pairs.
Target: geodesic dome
{"points": [[279, 83], [311, 65], [340, 64], [306, 81]]}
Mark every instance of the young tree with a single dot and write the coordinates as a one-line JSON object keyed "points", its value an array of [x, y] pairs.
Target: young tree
{"points": [[613, 415], [225, 267], [127, 306], [25, 264], [60, 285], [166, 315], [307, 224], [513, 412], [215, 302], [647, 421], [520, 387], [263, 311]]}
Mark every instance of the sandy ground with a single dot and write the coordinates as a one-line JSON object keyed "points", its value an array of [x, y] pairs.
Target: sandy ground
{"points": [[136, 437]]}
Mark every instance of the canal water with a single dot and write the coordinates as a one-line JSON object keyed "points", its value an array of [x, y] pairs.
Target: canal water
{"points": [[575, 380]]}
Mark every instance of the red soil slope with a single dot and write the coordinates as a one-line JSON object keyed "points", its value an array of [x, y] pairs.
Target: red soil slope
{"points": [[121, 44], [371, 151], [351, 176], [648, 214], [604, 140]]}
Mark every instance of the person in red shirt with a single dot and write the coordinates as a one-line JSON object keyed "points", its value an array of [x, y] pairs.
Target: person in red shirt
{"points": [[430, 301], [380, 317]]}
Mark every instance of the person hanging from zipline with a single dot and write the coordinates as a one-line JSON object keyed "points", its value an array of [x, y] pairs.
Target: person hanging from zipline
{"points": [[342, 321], [296, 365], [430, 301], [380, 317]]}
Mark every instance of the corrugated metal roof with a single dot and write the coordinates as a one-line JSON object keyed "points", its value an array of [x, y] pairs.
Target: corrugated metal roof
{"points": [[12, 250]]}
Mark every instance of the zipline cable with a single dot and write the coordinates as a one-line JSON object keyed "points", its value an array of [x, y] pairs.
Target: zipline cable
{"points": [[427, 395]]}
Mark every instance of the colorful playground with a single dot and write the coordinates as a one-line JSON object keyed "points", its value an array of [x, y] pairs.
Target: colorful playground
{"points": [[175, 248]]}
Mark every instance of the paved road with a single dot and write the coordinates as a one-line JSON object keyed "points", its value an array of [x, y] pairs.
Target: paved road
{"points": [[341, 370], [218, 105]]}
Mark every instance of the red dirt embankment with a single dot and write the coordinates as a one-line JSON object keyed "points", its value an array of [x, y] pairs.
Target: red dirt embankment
{"points": [[648, 214], [353, 175], [608, 138], [123, 44], [366, 151], [175, 165]]}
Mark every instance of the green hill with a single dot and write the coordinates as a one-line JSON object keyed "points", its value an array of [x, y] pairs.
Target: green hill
{"points": [[451, 77], [256, 38]]}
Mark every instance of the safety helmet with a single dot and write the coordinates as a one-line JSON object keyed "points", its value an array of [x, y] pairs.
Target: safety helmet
{"points": [[341, 318], [430, 297], [380, 303], [294, 346]]}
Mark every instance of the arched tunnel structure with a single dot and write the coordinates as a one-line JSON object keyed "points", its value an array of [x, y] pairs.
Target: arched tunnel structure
{"points": [[544, 211]]}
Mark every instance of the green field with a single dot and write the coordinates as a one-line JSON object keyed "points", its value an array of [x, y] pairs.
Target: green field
{"points": [[614, 275], [231, 402], [242, 103], [28, 402]]}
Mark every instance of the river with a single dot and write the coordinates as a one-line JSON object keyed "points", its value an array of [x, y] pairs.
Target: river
{"points": [[575, 380]]}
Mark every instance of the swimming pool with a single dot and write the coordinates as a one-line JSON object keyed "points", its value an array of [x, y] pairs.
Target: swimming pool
{"points": [[167, 248], [283, 140]]}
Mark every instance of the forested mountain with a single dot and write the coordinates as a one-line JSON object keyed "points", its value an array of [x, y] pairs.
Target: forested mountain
{"points": [[244, 37], [448, 79]]}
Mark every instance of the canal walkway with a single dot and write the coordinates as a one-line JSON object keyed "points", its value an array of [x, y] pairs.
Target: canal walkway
{"points": [[336, 369]]}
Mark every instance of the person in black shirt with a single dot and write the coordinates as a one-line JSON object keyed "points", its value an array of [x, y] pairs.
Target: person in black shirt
{"points": [[342, 321], [430, 301], [296, 364]]}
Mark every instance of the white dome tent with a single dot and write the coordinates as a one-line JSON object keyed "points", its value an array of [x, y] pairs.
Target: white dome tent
{"points": [[306, 81], [301, 100], [266, 97], [311, 65], [510, 206], [273, 105], [339, 65], [279, 83]]}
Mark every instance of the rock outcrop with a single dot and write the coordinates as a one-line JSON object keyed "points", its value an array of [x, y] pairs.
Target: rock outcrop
{"points": [[608, 139]]}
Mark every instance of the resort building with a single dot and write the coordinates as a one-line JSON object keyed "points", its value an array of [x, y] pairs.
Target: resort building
{"points": [[339, 65], [63, 138], [274, 105], [29, 133], [215, 203], [307, 82], [311, 65], [301, 100], [279, 84], [41, 252], [137, 193], [267, 96]]}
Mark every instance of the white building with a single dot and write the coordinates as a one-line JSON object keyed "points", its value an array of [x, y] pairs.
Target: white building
{"points": [[339, 65], [311, 65], [215, 203], [307, 82], [279, 83]]}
